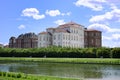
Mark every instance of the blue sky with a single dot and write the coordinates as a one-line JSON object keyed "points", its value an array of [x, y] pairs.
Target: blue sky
{"points": [[23, 16]]}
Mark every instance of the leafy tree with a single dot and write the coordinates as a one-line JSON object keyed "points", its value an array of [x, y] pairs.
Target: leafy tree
{"points": [[116, 53]]}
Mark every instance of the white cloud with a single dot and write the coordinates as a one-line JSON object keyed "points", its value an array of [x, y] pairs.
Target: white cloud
{"points": [[111, 44], [114, 14], [116, 36], [103, 27], [111, 41], [93, 4], [5, 44], [68, 14], [59, 22], [109, 16], [37, 17], [21, 27], [54, 13], [106, 38], [32, 12], [113, 1], [112, 37], [98, 18]]}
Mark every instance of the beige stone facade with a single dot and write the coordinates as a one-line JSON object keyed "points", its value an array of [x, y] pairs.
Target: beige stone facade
{"points": [[67, 35], [70, 34]]}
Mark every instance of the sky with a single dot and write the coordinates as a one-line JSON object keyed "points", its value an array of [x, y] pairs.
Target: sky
{"points": [[23, 16]]}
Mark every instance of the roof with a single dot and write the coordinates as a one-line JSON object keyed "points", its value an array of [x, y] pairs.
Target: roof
{"points": [[69, 24], [43, 32], [28, 35], [12, 37], [60, 30], [92, 30]]}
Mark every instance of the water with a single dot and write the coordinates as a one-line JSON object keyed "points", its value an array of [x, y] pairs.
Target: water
{"points": [[80, 71]]}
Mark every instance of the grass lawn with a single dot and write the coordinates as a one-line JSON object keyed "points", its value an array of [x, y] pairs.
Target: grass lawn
{"points": [[22, 76], [64, 60]]}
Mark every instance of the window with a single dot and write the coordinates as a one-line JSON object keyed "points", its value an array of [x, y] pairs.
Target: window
{"points": [[54, 37], [74, 31], [63, 36], [58, 43], [40, 38], [59, 37], [97, 42], [92, 34], [54, 43], [74, 37], [92, 41], [77, 31], [71, 31], [85, 33], [44, 38], [71, 37]]}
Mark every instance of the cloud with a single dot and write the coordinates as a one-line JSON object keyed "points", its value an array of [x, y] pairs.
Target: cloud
{"points": [[114, 14], [113, 1], [56, 12], [37, 17], [112, 41], [32, 12], [112, 37], [98, 18], [109, 16], [53, 12], [93, 4], [21, 27], [68, 14], [103, 27], [59, 22], [3, 44]]}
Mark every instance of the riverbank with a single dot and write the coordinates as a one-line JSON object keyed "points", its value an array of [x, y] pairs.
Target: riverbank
{"points": [[23, 76], [63, 60]]}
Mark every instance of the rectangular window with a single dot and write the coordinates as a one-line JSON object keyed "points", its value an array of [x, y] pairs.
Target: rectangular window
{"points": [[44, 38], [59, 37], [58, 43], [92, 41], [63, 36], [54, 37]]}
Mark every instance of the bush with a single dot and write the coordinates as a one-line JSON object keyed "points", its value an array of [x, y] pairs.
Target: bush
{"points": [[61, 52], [116, 53]]}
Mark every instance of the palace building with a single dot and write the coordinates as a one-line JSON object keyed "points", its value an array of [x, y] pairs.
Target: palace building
{"points": [[92, 38], [67, 35], [28, 40]]}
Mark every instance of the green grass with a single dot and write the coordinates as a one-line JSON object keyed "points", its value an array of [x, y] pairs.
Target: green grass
{"points": [[63, 60], [22, 76]]}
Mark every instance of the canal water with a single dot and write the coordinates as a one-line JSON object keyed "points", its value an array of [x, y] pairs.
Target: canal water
{"points": [[80, 71]]}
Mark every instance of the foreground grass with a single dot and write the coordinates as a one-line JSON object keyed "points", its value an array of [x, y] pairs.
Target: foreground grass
{"points": [[63, 60], [22, 76]]}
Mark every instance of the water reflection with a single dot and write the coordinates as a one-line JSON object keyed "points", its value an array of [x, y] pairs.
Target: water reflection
{"points": [[84, 71]]}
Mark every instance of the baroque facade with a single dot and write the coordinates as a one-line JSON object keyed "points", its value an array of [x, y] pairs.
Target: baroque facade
{"points": [[28, 40], [92, 38], [67, 35], [70, 34]]}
